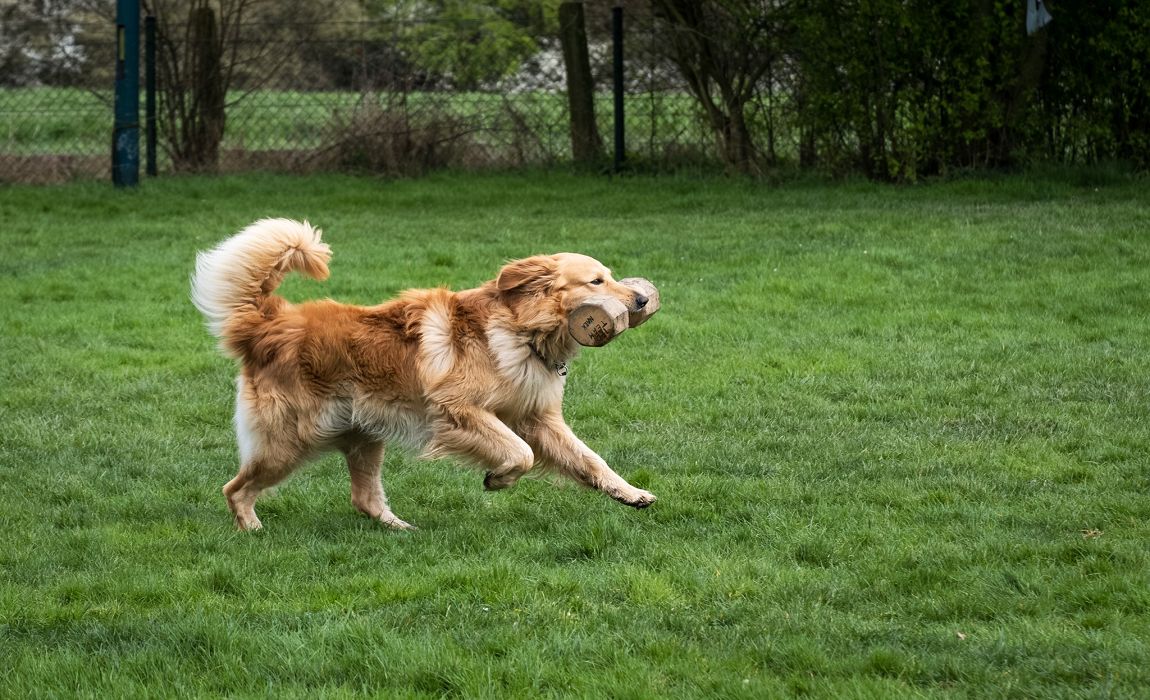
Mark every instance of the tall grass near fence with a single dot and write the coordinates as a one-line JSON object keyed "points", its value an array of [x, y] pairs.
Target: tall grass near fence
{"points": [[899, 438]]}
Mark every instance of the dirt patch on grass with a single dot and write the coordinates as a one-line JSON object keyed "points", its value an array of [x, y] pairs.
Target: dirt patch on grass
{"points": [[52, 169]]}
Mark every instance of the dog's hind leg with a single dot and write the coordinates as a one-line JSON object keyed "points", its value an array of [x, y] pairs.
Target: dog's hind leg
{"points": [[364, 460], [264, 462], [257, 474]]}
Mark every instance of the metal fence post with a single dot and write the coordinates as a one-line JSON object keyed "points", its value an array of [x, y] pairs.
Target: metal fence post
{"points": [[617, 60], [126, 125], [150, 93]]}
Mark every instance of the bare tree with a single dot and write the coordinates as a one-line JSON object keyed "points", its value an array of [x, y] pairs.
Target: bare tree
{"points": [[723, 48], [213, 53], [586, 144], [196, 48]]}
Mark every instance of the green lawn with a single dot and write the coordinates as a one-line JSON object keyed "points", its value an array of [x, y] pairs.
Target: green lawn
{"points": [[899, 437]]}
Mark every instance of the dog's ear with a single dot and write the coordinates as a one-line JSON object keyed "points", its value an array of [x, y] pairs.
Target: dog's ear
{"points": [[533, 274]]}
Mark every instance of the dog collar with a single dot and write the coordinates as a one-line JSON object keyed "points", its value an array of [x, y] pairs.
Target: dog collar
{"points": [[560, 368]]}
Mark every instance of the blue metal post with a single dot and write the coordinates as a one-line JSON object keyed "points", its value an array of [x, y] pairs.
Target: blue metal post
{"points": [[126, 128]]}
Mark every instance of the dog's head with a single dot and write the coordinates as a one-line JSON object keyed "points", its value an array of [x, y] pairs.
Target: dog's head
{"points": [[567, 278]]}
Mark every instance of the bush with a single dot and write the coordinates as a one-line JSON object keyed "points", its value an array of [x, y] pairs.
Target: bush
{"points": [[390, 138], [899, 90]]}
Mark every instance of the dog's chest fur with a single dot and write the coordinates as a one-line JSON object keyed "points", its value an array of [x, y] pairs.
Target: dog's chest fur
{"points": [[534, 383]]}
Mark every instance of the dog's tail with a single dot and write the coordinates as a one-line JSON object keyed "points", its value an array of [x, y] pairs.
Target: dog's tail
{"points": [[238, 274]]}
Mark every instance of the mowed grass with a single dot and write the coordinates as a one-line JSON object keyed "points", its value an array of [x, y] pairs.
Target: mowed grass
{"points": [[899, 437]]}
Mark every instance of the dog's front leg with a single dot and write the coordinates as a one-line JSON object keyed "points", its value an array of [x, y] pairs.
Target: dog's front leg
{"points": [[476, 434], [558, 447]]}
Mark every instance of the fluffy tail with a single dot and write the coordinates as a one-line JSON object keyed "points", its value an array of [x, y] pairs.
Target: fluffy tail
{"points": [[240, 272]]}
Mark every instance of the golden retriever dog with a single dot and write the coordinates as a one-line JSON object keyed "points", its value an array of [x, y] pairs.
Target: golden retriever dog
{"points": [[476, 374]]}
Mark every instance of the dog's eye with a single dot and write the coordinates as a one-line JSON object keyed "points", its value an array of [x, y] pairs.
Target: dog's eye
{"points": [[597, 281]]}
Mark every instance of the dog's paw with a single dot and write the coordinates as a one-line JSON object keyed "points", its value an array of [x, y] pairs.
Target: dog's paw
{"points": [[248, 523], [639, 499], [396, 523], [494, 482]]}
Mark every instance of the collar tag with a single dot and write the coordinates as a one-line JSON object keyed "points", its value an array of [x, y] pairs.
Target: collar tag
{"points": [[561, 369]]}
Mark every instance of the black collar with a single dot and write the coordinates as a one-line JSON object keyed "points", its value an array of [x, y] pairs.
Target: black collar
{"points": [[560, 368]]}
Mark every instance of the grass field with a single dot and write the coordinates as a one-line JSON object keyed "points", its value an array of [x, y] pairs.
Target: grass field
{"points": [[899, 438]]}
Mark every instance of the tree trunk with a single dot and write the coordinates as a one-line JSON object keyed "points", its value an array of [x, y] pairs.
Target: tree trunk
{"points": [[586, 146], [808, 150], [1031, 65], [205, 123], [739, 145]]}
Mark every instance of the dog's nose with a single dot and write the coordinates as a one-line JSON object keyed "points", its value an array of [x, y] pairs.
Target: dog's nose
{"points": [[640, 301]]}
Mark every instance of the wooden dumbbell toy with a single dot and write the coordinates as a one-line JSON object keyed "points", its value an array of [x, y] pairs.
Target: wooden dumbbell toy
{"points": [[644, 287], [597, 321], [601, 318]]}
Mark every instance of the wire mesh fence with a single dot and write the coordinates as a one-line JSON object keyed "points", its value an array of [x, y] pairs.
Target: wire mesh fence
{"points": [[744, 86], [56, 105], [387, 97]]}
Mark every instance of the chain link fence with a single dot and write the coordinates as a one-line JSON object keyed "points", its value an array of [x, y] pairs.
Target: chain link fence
{"points": [[357, 100], [56, 105], [775, 85], [383, 97]]}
